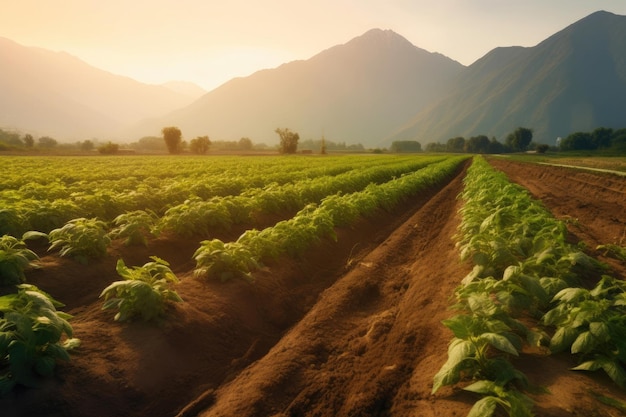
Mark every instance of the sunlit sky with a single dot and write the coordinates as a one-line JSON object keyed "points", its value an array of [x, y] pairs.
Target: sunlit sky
{"points": [[209, 42]]}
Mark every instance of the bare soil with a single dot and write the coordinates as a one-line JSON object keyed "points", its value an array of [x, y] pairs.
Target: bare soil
{"points": [[351, 329]]}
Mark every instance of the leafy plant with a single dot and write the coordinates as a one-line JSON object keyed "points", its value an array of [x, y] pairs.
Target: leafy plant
{"points": [[134, 226], [592, 323], [479, 350], [31, 337], [81, 238], [144, 291], [15, 257], [614, 251], [514, 403], [215, 258]]}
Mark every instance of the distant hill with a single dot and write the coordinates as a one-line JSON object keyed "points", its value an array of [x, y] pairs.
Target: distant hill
{"points": [[355, 92], [56, 94], [187, 88], [374, 89], [573, 81]]}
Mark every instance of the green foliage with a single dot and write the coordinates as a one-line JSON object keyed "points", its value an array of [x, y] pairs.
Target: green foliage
{"points": [[46, 142], [200, 145], [109, 148], [406, 146], [33, 336], [288, 141], [613, 251], [134, 226], [225, 261], [15, 258], [514, 403], [81, 238], [144, 291], [592, 323], [173, 139], [479, 350], [520, 139]]}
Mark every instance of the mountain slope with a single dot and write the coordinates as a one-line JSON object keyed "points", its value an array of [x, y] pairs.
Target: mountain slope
{"points": [[56, 94], [574, 80], [355, 92]]}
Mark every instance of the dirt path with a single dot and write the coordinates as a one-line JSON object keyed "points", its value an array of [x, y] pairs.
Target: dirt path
{"points": [[373, 341]]}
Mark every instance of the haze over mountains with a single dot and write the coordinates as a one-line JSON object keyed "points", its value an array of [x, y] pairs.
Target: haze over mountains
{"points": [[56, 94], [372, 90]]}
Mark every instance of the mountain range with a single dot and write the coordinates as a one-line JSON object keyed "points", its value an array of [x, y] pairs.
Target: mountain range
{"points": [[372, 90], [56, 94]]}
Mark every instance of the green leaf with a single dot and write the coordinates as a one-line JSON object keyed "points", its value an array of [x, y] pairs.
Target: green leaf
{"points": [[584, 343], [563, 339], [500, 342], [485, 407], [44, 365], [482, 387], [461, 325]]}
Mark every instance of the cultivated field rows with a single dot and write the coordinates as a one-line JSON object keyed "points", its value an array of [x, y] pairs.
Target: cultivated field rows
{"points": [[348, 324]]}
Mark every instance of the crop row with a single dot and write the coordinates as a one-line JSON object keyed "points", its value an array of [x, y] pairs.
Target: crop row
{"points": [[34, 334], [215, 258], [525, 285], [198, 217], [45, 196]]}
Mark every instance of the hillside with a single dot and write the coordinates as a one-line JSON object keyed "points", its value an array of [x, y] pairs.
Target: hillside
{"points": [[573, 81], [374, 89], [355, 92], [56, 94]]}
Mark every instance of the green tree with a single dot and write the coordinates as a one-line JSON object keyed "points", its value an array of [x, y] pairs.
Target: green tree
{"points": [[456, 144], [29, 142], [109, 148], [288, 141], [172, 137], [245, 144], [519, 139], [47, 142], [477, 144], [578, 141], [495, 146], [406, 146], [87, 145], [200, 145], [601, 137]]}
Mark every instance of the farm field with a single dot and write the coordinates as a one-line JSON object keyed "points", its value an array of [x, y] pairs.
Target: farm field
{"points": [[346, 326]]}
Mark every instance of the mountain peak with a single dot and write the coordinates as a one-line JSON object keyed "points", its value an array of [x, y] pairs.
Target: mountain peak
{"points": [[381, 37]]}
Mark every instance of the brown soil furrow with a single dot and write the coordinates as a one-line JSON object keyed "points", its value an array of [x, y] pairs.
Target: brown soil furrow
{"points": [[373, 341]]}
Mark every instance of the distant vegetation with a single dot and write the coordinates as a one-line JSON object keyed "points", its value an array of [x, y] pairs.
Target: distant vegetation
{"points": [[288, 141], [602, 139], [521, 140]]}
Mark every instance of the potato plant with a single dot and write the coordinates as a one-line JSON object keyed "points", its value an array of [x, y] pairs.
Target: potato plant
{"points": [[15, 258], [144, 292], [312, 223], [81, 239], [523, 268], [33, 336], [592, 323], [134, 227]]}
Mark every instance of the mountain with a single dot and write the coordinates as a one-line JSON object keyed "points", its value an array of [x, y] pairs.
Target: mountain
{"points": [[355, 92], [573, 81], [56, 94], [187, 88]]}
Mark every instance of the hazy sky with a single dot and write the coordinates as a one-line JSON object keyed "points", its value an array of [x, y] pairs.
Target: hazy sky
{"points": [[211, 41]]}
